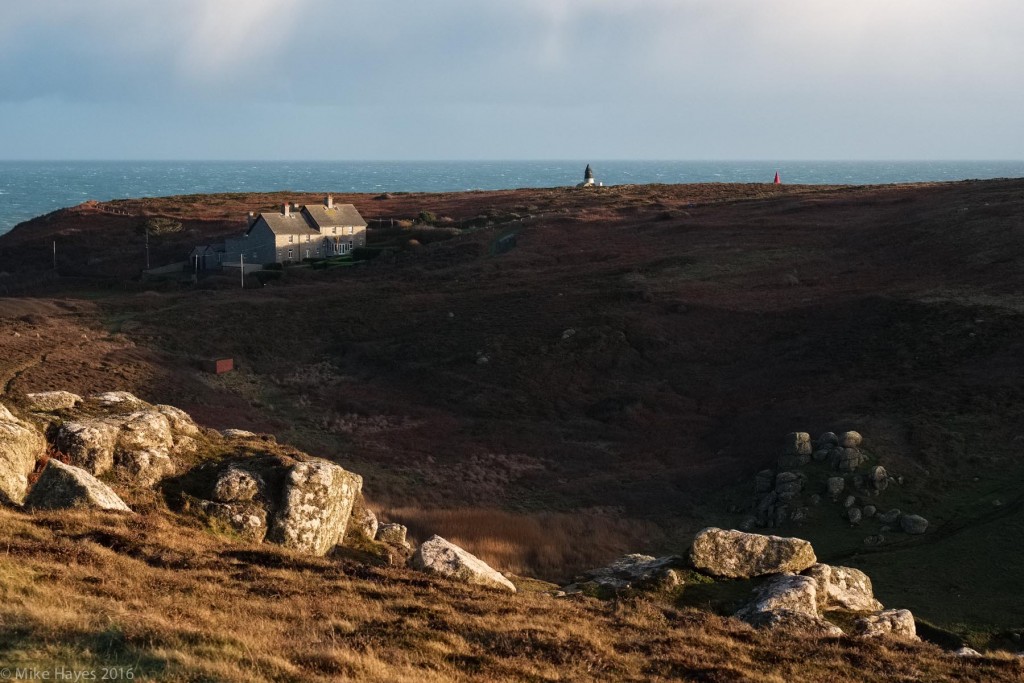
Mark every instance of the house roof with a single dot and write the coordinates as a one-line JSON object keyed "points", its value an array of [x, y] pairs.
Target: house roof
{"points": [[339, 215], [311, 219], [294, 223]]}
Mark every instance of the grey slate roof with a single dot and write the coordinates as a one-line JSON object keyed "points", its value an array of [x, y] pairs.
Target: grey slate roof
{"points": [[311, 219], [340, 215], [293, 224]]}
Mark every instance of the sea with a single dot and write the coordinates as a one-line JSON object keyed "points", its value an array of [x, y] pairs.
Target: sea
{"points": [[33, 188]]}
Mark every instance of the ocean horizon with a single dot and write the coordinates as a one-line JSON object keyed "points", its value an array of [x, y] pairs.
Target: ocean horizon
{"points": [[33, 188]]}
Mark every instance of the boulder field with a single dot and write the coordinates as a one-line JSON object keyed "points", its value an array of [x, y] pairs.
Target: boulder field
{"points": [[65, 451]]}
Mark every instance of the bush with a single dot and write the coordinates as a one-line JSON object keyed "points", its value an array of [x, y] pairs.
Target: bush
{"points": [[265, 276], [426, 218], [158, 225]]}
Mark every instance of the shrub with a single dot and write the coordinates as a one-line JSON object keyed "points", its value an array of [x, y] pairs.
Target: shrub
{"points": [[159, 225], [426, 218]]}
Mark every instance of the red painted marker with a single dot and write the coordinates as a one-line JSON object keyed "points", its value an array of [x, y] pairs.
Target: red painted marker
{"points": [[778, 180]]}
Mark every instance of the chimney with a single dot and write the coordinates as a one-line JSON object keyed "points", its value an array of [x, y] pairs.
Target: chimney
{"points": [[252, 218], [330, 201], [287, 209]]}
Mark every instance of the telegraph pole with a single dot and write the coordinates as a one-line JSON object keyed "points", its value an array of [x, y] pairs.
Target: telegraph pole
{"points": [[241, 267], [55, 254]]}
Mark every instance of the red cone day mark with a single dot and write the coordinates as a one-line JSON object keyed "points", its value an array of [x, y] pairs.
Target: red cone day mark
{"points": [[778, 180]]}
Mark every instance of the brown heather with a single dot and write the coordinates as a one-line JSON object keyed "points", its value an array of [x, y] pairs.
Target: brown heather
{"points": [[85, 590]]}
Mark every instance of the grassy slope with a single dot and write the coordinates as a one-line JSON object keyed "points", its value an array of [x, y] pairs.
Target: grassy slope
{"points": [[175, 603]]}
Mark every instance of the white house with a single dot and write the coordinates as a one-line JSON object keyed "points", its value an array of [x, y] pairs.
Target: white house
{"points": [[297, 233]]}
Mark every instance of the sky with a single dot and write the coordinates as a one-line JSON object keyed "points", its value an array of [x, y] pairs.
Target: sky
{"points": [[521, 79]]}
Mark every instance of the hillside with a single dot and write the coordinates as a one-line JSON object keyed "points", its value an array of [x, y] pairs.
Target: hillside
{"points": [[613, 383]]}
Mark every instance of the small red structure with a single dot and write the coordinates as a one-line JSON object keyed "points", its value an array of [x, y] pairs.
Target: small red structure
{"points": [[778, 180], [219, 366]]}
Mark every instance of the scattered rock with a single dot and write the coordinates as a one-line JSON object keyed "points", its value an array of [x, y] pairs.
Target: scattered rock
{"points": [[789, 602], [315, 507], [843, 587], [642, 572], [835, 486], [878, 478], [52, 401], [877, 539], [827, 440], [854, 515], [850, 439], [815, 499], [966, 652], [392, 534], [890, 517], [20, 446], [788, 485], [796, 450], [897, 623], [913, 524], [764, 481], [438, 556], [847, 459], [736, 554], [850, 501], [63, 486], [869, 511]]}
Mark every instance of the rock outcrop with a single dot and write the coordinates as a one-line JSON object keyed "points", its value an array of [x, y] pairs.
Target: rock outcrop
{"points": [[438, 556], [21, 445], [63, 486], [315, 507], [843, 587], [895, 623], [52, 401], [740, 555], [362, 525], [788, 601], [134, 440]]}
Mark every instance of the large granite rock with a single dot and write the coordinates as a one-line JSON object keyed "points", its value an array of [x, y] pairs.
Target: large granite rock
{"points": [[315, 507], [63, 486], [741, 555], [21, 445], [850, 439], [52, 401], [895, 623], [788, 601], [796, 450], [89, 443], [438, 556], [788, 485], [137, 446], [843, 587]]}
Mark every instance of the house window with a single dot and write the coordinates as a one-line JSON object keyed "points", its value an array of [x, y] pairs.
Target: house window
{"points": [[291, 238], [334, 231], [350, 229], [289, 254], [307, 238]]}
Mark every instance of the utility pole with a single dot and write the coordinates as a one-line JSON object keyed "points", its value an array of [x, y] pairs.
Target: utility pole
{"points": [[241, 267], [55, 254]]}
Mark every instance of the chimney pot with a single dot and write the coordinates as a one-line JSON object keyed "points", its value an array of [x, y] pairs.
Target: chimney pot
{"points": [[287, 209], [330, 201]]}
